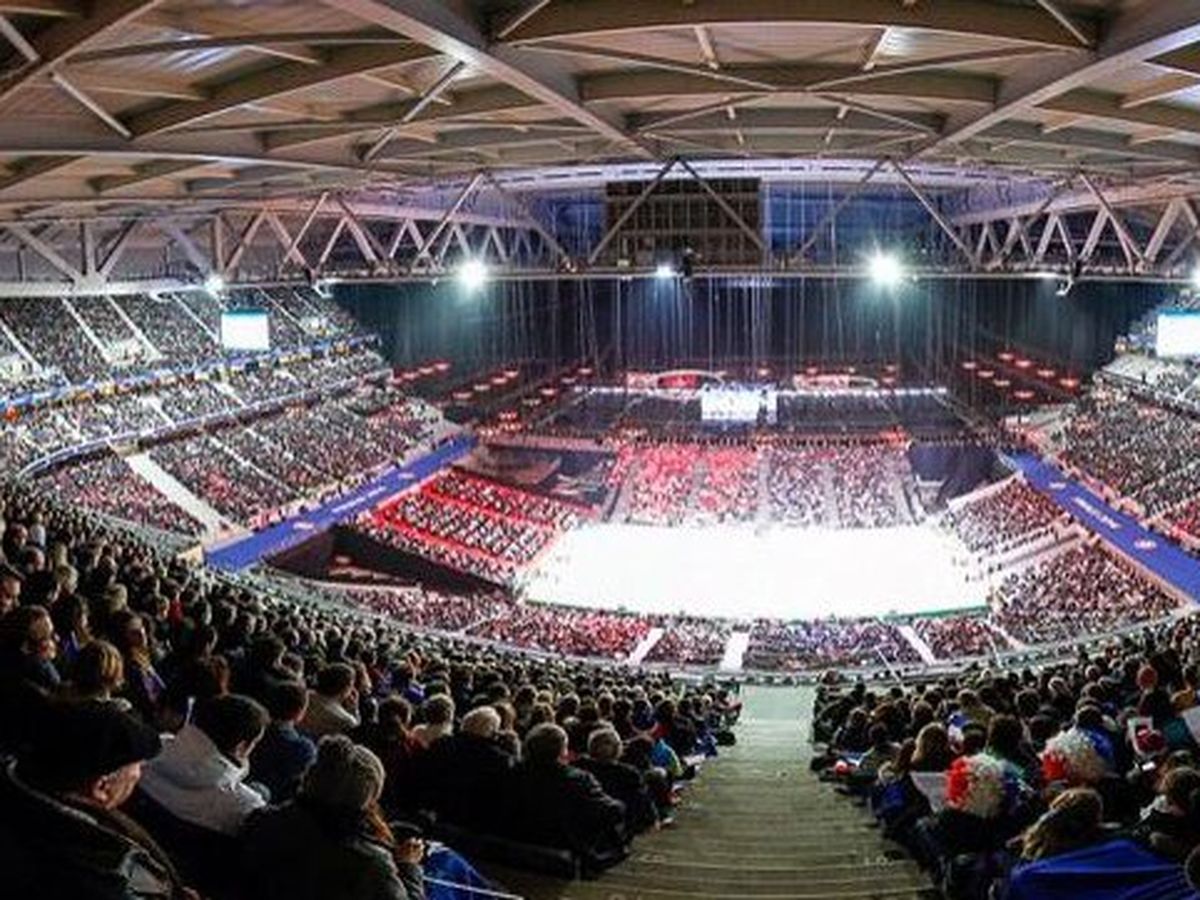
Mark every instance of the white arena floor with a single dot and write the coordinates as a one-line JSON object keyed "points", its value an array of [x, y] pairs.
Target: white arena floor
{"points": [[732, 571]]}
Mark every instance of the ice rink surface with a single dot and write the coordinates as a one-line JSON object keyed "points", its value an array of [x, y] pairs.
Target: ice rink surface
{"points": [[732, 571]]}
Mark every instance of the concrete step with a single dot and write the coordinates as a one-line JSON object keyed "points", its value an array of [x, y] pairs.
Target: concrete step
{"points": [[756, 824], [706, 872]]}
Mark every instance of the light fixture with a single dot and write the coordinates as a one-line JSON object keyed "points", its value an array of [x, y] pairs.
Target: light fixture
{"points": [[663, 271], [886, 270], [1065, 287], [472, 274], [1196, 277], [214, 283]]}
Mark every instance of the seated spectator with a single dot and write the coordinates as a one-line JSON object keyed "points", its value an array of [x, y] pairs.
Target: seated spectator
{"points": [[1171, 824], [70, 615], [466, 774], [28, 648], [333, 705], [330, 841], [11, 581], [284, 754], [1075, 820], [144, 687], [200, 777], [388, 738], [882, 752], [555, 804], [61, 831], [619, 780], [437, 720], [98, 676], [27, 671]]}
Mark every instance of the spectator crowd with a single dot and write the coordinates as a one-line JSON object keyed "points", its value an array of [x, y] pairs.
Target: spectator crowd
{"points": [[166, 733], [1081, 778], [1015, 514]]}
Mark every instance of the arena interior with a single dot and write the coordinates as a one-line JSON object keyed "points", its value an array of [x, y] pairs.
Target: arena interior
{"points": [[595, 449]]}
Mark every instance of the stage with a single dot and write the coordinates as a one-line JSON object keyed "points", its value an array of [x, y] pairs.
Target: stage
{"points": [[736, 572]]}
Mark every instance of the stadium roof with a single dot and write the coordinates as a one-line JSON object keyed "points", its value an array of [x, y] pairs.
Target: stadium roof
{"points": [[112, 100], [113, 109]]}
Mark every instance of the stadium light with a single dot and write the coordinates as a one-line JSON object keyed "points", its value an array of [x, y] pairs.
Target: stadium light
{"points": [[886, 269], [1196, 277], [663, 271], [472, 274], [214, 283]]}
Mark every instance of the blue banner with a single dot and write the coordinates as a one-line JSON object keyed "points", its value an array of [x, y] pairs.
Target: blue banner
{"points": [[1120, 531], [245, 552]]}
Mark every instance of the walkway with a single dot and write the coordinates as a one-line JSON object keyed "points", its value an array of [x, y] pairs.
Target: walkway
{"points": [[756, 824], [244, 552], [1120, 531], [171, 488]]}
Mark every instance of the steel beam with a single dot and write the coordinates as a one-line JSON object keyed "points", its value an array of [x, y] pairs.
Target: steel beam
{"points": [[529, 217], [277, 81], [1162, 231], [58, 42], [593, 18], [732, 213], [463, 196], [830, 216], [438, 26], [1137, 34], [1066, 21], [44, 250], [1128, 244], [430, 94], [649, 189], [936, 214]]}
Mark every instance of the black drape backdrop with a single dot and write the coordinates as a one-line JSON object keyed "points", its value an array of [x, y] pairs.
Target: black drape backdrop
{"points": [[926, 326]]}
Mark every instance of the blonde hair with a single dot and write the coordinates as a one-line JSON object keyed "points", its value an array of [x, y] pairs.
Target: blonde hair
{"points": [[98, 668]]}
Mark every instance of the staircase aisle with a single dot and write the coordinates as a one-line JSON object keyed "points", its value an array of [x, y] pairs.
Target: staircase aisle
{"points": [[755, 824]]}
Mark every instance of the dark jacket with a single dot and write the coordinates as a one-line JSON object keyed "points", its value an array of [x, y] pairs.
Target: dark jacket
{"points": [[465, 780], [280, 760], [402, 758], [623, 782], [561, 806], [25, 685], [298, 852], [58, 851]]}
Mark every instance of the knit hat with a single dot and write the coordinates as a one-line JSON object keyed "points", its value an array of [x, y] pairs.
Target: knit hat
{"points": [[344, 776], [77, 743]]}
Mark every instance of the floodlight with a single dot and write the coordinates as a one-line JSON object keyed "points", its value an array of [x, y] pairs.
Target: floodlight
{"points": [[215, 283], [472, 274], [1196, 277], [886, 270], [663, 271]]}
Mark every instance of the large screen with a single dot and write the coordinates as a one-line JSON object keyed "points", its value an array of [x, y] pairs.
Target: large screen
{"points": [[737, 404], [245, 329], [1178, 333]]}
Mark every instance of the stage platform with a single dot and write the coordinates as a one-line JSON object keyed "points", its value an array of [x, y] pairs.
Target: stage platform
{"points": [[1122, 532], [243, 552], [738, 572]]}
